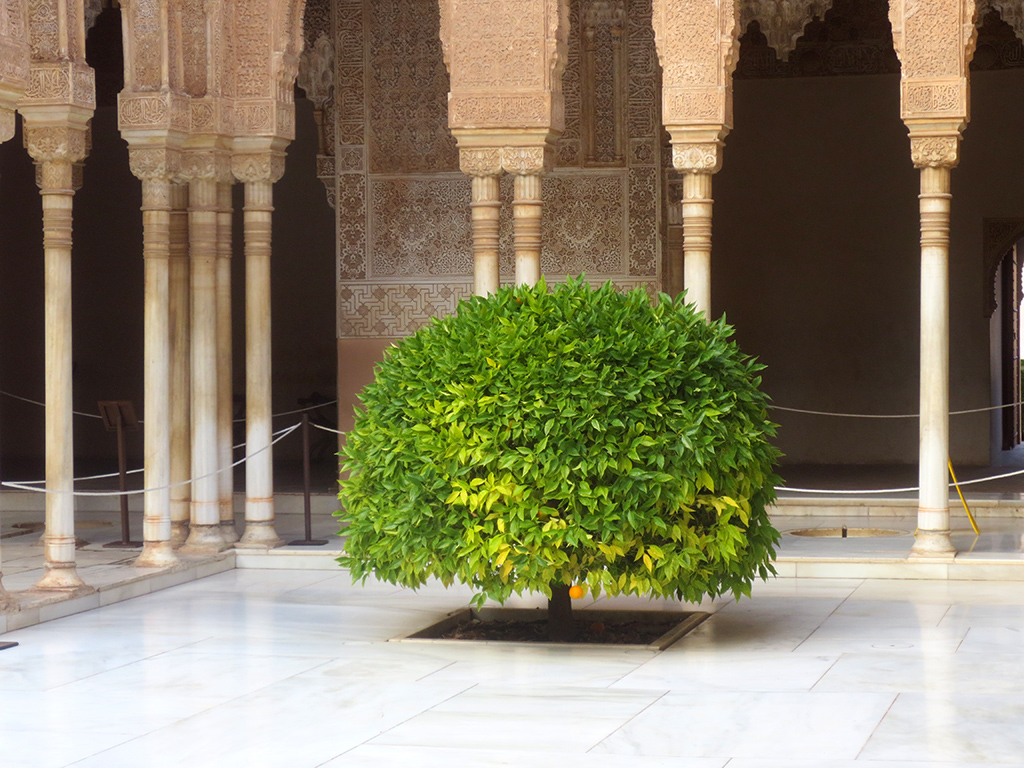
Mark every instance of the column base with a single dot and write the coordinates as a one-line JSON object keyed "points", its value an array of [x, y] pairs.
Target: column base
{"points": [[7, 603], [933, 544], [62, 579], [179, 533], [259, 536], [228, 532], [156, 554], [204, 540]]}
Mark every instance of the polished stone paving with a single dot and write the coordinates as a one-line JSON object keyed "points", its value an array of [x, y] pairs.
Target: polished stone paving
{"points": [[285, 668]]}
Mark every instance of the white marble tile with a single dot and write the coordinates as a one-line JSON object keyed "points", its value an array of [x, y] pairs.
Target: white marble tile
{"points": [[747, 671], [380, 756], [993, 640], [519, 665], [314, 719], [742, 762], [839, 637], [820, 726], [499, 717], [966, 727], [188, 672], [40, 749], [985, 616], [892, 612], [887, 671]]}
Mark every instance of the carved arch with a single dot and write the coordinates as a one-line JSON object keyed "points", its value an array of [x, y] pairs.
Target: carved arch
{"points": [[998, 237], [782, 21]]}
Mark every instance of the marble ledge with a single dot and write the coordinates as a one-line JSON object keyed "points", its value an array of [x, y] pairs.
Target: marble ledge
{"points": [[38, 606]]}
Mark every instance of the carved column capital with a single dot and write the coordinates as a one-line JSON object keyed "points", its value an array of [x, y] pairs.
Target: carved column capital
{"points": [[480, 161], [6, 124], [155, 163], [526, 161], [697, 157], [258, 166], [67, 143], [206, 165], [935, 151]]}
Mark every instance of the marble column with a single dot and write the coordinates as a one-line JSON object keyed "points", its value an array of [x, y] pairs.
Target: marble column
{"points": [[156, 220], [180, 386], [8, 101], [485, 210], [258, 172], [205, 530], [55, 148], [483, 166], [932, 538], [225, 388], [697, 204], [526, 213]]}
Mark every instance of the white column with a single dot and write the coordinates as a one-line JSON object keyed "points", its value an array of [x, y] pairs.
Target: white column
{"points": [[485, 209], [697, 204], [225, 388], [205, 531], [180, 331], [259, 468], [526, 212], [59, 538], [932, 538], [156, 220]]}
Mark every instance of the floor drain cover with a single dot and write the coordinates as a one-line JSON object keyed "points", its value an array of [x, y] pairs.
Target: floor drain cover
{"points": [[846, 533]]}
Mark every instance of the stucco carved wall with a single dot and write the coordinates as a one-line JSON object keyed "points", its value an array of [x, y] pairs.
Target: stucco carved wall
{"points": [[404, 234]]}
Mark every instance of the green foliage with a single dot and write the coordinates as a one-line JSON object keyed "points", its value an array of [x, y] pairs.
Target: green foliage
{"points": [[573, 437]]}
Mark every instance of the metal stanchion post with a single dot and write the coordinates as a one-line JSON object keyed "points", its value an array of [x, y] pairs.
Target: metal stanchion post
{"points": [[309, 541], [119, 415]]}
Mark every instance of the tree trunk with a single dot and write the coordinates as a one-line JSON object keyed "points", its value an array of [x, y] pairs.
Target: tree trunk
{"points": [[560, 622]]}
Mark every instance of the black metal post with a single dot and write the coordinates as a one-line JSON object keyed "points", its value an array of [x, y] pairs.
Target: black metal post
{"points": [[306, 483]]}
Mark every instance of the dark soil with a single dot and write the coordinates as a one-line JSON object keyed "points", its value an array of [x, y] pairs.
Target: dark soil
{"points": [[619, 633]]}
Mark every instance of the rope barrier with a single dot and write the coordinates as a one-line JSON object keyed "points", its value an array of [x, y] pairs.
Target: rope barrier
{"points": [[108, 475], [25, 486], [914, 489], [327, 429], [889, 415], [43, 405], [234, 421]]}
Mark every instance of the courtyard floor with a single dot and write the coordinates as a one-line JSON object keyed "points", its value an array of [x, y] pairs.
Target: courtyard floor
{"points": [[262, 668]]}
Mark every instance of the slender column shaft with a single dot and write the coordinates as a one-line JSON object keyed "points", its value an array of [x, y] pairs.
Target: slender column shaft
{"points": [[526, 212], [225, 390], [259, 468], [933, 510], [6, 601], [180, 331], [204, 534], [59, 539], [697, 204], [486, 208], [156, 526]]}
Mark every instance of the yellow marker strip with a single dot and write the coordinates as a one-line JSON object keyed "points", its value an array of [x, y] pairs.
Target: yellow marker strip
{"points": [[963, 501]]}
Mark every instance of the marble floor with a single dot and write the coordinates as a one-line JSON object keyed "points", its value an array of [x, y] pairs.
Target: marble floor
{"points": [[261, 669]]}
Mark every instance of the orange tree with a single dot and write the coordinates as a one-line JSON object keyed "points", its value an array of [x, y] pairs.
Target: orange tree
{"points": [[536, 440]]}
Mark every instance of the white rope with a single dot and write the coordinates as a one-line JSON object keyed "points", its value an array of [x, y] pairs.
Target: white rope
{"points": [[888, 415], [914, 489], [829, 492], [327, 429], [109, 474], [279, 435], [43, 405], [234, 421]]}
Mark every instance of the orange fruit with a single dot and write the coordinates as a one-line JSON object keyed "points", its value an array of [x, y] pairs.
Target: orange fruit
{"points": [[575, 591]]}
